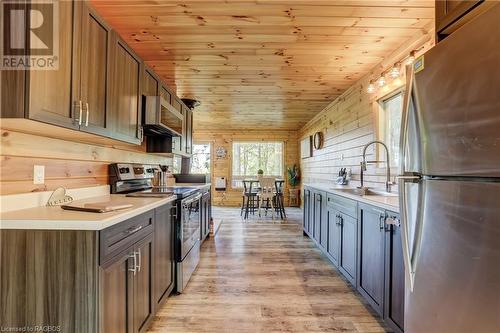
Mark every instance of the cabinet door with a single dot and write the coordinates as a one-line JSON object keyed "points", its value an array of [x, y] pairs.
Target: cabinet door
{"points": [[116, 295], [164, 253], [307, 207], [189, 130], [448, 12], [149, 83], [394, 274], [323, 223], [333, 243], [165, 94], [50, 90], [348, 246], [125, 93], [317, 215], [94, 64], [143, 291], [371, 237]]}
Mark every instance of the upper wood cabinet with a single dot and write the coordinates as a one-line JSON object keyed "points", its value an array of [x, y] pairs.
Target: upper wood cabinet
{"points": [[188, 116], [150, 83], [49, 92], [93, 70], [126, 106], [450, 12], [98, 86]]}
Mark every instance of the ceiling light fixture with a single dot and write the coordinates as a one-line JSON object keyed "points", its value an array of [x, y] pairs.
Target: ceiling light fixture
{"points": [[411, 58], [371, 87], [394, 73], [381, 81]]}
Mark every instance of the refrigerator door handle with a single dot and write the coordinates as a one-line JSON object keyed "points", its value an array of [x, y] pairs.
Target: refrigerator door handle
{"points": [[404, 177]]}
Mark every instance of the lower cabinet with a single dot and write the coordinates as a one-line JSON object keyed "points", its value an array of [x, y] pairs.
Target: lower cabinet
{"points": [[307, 211], [205, 214], [394, 305], [126, 288], [364, 243], [333, 225], [164, 253], [371, 256], [348, 247]]}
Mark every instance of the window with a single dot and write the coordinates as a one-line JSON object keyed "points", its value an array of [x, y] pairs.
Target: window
{"points": [[200, 161], [249, 157], [390, 124]]}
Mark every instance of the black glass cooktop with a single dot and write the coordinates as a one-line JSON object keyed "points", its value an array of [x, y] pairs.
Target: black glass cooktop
{"points": [[180, 192]]}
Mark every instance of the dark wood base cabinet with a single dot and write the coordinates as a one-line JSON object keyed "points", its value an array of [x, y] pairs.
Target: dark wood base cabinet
{"points": [[364, 243], [105, 281]]}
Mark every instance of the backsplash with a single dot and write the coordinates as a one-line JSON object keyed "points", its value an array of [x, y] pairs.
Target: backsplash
{"points": [[67, 163]]}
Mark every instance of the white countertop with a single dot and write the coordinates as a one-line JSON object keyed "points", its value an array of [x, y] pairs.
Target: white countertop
{"points": [[56, 218], [389, 203]]}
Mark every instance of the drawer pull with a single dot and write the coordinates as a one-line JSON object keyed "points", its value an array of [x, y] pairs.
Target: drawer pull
{"points": [[133, 229]]}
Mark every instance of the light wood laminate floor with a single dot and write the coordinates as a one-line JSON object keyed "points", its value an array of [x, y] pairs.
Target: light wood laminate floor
{"points": [[262, 275]]}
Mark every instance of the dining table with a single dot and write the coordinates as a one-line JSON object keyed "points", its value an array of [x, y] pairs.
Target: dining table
{"points": [[279, 197]]}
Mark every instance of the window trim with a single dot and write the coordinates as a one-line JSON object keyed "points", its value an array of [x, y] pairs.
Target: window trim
{"points": [[283, 157], [211, 143], [381, 128]]}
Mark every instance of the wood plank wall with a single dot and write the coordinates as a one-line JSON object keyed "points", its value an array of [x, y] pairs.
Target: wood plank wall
{"points": [[349, 123], [221, 167], [67, 163]]}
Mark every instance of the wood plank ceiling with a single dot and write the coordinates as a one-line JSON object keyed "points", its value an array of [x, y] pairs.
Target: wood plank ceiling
{"points": [[264, 63]]}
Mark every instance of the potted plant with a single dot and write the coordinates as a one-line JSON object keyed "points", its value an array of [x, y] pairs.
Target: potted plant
{"points": [[260, 172], [293, 175]]}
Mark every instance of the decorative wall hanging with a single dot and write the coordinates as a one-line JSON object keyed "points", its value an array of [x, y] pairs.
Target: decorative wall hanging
{"points": [[306, 147], [318, 140], [220, 152]]}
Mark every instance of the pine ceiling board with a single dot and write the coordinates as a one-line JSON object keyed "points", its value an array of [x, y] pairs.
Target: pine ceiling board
{"points": [[290, 10], [265, 63]]}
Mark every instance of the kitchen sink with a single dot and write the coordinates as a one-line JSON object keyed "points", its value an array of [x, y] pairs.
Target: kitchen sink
{"points": [[367, 191]]}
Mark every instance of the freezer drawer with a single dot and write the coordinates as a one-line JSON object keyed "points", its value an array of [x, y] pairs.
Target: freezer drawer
{"points": [[457, 271]]}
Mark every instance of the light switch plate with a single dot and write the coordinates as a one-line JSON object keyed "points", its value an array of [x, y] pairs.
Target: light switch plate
{"points": [[38, 174]]}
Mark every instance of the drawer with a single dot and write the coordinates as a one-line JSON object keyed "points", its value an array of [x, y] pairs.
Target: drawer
{"points": [[344, 205], [121, 236]]}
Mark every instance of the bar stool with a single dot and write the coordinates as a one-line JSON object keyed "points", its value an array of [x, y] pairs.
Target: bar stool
{"points": [[249, 198], [279, 197]]}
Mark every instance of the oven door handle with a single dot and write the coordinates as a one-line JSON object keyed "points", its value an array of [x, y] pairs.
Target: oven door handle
{"points": [[188, 201]]}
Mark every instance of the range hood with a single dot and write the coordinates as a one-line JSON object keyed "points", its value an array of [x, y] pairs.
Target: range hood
{"points": [[161, 118]]}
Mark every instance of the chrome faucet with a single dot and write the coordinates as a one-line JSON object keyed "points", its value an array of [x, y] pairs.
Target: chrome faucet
{"points": [[388, 182]]}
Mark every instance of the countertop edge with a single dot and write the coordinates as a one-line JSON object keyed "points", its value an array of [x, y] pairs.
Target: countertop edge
{"points": [[84, 225], [358, 198]]}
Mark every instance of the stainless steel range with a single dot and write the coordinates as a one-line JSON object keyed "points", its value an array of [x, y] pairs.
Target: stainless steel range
{"points": [[135, 180]]}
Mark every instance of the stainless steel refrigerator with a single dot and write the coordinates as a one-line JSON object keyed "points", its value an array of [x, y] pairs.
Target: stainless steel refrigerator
{"points": [[450, 183]]}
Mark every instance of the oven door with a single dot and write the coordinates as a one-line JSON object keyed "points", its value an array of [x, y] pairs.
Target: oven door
{"points": [[190, 223]]}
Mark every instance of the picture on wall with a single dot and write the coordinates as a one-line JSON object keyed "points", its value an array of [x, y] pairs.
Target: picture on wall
{"points": [[306, 147]]}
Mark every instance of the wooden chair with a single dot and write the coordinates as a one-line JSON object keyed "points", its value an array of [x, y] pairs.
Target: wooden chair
{"points": [[267, 193]]}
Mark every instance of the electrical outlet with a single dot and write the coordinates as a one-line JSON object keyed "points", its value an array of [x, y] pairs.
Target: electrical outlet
{"points": [[38, 174]]}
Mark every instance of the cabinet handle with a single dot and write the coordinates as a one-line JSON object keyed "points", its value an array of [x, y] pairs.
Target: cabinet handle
{"points": [[134, 266], [393, 221], [87, 117], [134, 229], [139, 260], [381, 221], [80, 114]]}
